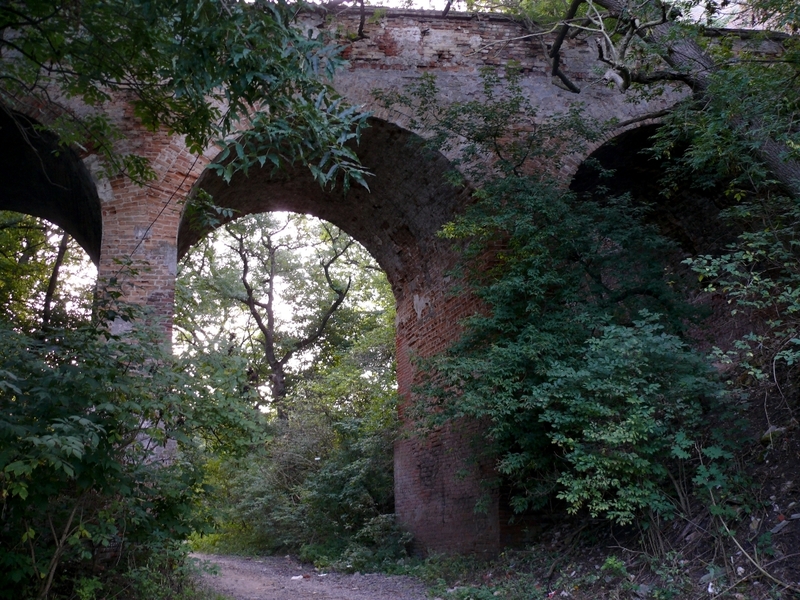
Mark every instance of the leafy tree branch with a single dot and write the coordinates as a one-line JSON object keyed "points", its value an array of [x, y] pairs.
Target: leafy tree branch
{"points": [[239, 75]]}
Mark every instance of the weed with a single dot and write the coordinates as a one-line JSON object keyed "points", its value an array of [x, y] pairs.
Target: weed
{"points": [[86, 589]]}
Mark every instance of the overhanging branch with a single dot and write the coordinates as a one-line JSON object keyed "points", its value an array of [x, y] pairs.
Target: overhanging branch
{"points": [[555, 51]]}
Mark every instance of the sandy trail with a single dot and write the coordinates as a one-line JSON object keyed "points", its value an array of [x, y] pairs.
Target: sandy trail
{"points": [[274, 578]]}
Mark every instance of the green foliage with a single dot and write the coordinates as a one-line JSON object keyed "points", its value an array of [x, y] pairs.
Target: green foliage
{"points": [[673, 579], [750, 101], [590, 395], [322, 487], [614, 567], [531, 12], [86, 588], [575, 365], [531, 574], [312, 288], [619, 416], [378, 544], [236, 74], [322, 484], [94, 430], [27, 253], [717, 137], [759, 274], [775, 14]]}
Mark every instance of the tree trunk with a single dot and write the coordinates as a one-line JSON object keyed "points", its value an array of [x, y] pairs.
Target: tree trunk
{"points": [[278, 388], [51, 285]]}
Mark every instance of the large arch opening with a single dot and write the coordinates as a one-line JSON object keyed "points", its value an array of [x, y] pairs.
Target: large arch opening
{"points": [[311, 315], [42, 178], [437, 484]]}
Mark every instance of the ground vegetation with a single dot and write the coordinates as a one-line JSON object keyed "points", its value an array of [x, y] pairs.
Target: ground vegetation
{"points": [[577, 296], [96, 430]]}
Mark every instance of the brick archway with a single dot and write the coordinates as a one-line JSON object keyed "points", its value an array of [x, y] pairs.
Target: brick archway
{"points": [[40, 177], [397, 222]]}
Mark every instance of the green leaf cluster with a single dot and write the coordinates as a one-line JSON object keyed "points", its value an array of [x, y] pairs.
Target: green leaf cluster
{"points": [[27, 253], [750, 99], [285, 262], [759, 275], [245, 76], [624, 416], [322, 484], [576, 363], [95, 431]]}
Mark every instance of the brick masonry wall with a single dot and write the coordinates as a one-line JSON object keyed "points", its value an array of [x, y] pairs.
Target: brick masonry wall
{"points": [[436, 481]]}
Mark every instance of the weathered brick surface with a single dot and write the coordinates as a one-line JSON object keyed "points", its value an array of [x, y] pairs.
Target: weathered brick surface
{"points": [[437, 483]]}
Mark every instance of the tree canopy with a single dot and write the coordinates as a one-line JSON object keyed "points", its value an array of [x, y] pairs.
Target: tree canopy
{"points": [[35, 256], [287, 291], [242, 75]]}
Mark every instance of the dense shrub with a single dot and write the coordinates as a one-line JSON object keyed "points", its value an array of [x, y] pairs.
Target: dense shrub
{"points": [[94, 430], [577, 364], [321, 484]]}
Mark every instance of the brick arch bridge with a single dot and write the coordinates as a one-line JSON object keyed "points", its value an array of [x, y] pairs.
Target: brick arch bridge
{"points": [[436, 486]]}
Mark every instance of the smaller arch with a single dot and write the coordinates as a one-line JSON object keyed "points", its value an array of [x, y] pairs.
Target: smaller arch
{"points": [[688, 214], [42, 178], [624, 153]]}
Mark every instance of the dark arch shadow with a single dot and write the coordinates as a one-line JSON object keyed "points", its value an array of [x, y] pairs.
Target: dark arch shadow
{"points": [[689, 214], [39, 177], [396, 222]]}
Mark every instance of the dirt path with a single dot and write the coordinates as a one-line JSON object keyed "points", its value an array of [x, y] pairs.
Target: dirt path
{"points": [[274, 578]]}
